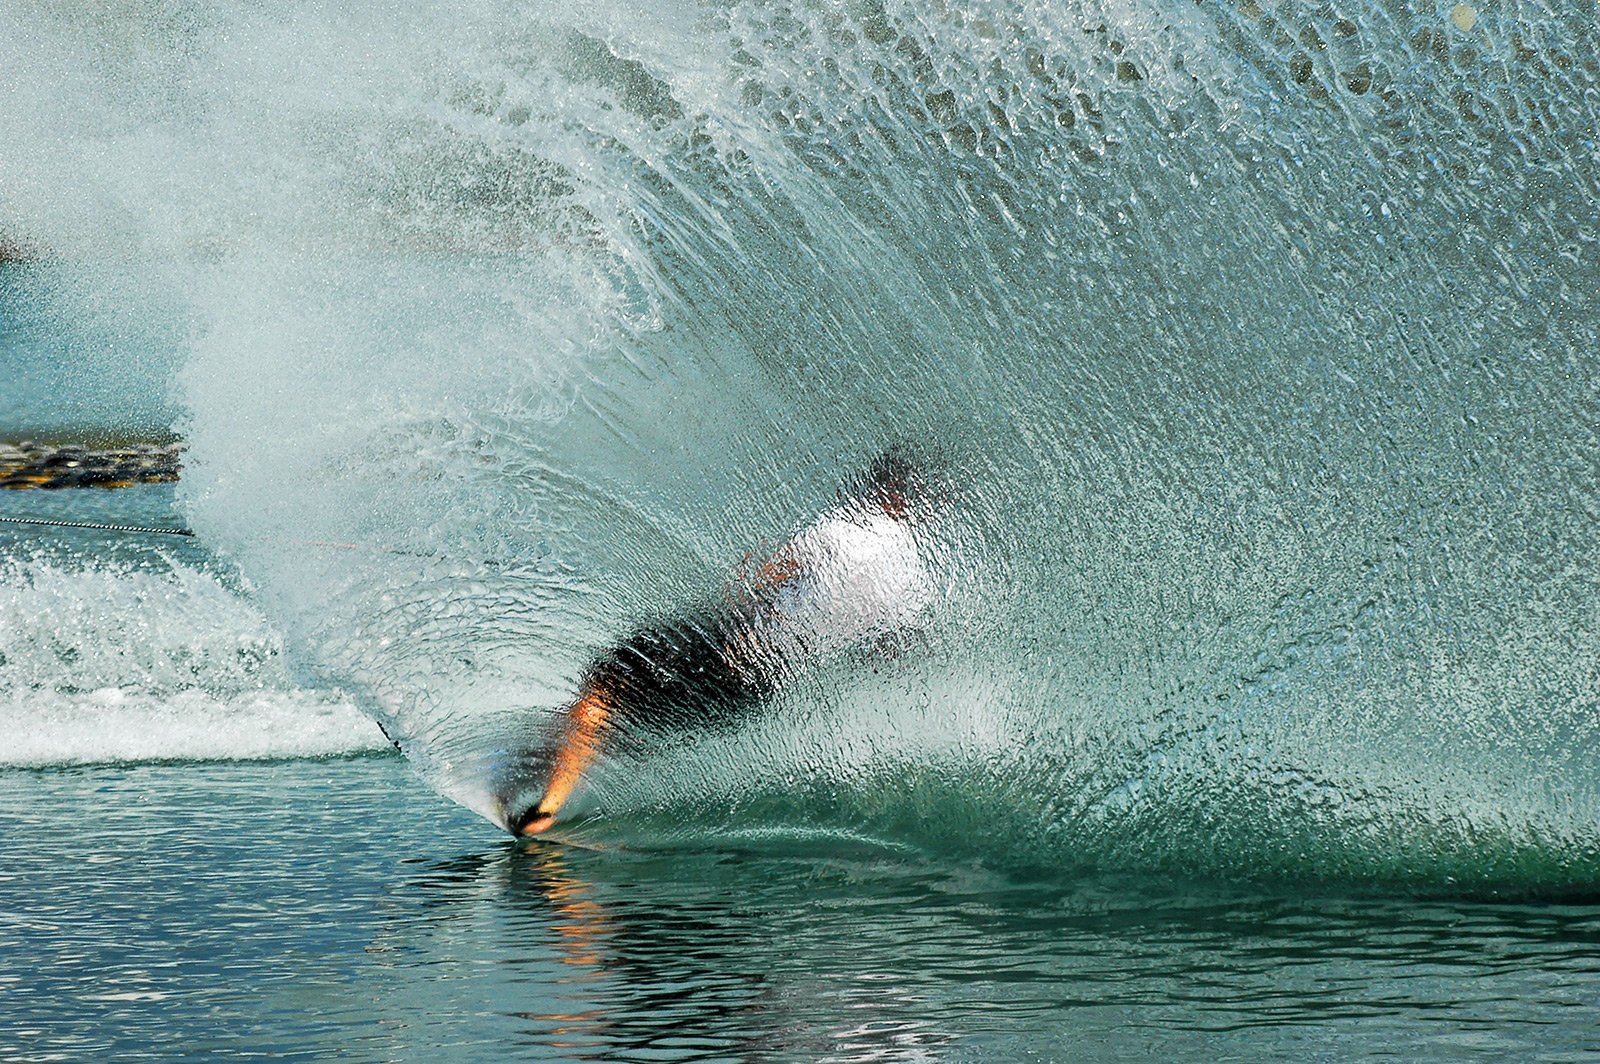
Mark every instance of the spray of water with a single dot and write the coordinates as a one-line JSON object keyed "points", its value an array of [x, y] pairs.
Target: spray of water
{"points": [[1255, 344], [156, 660]]}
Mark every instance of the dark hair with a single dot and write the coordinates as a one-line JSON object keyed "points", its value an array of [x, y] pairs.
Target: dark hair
{"points": [[896, 483]]}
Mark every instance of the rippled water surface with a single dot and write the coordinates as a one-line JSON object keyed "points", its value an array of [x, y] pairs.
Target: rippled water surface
{"points": [[1248, 351], [339, 910]]}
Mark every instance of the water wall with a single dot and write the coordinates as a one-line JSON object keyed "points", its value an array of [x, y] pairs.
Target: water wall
{"points": [[1253, 348]]}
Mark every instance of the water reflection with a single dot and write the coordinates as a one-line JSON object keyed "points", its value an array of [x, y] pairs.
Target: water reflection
{"points": [[662, 978], [627, 956]]}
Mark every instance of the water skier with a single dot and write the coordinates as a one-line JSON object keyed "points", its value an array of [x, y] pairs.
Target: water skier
{"points": [[850, 578]]}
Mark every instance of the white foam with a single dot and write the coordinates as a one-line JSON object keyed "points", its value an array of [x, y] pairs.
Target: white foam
{"points": [[156, 661], [111, 725]]}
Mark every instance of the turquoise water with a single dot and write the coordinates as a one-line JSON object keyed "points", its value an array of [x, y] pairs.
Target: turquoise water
{"points": [[173, 888], [1252, 351], [315, 910], [87, 347]]}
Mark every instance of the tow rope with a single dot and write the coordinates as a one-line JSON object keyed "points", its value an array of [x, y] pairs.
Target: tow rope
{"points": [[97, 527]]}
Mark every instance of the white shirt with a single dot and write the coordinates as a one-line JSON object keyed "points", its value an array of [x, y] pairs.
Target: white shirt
{"points": [[851, 577]]}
